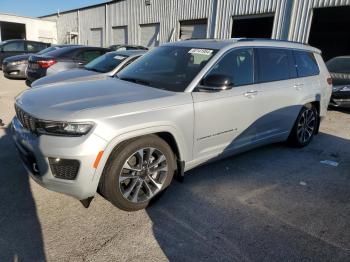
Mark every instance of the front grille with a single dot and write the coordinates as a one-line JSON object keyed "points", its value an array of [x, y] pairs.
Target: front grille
{"points": [[27, 121], [64, 168]]}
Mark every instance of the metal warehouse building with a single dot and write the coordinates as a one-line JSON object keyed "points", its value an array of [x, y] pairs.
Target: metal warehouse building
{"points": [[20, 27], [322, 23]]}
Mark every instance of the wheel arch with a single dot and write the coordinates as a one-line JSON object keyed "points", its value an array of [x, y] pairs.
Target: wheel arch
{"points": [[168, 133]]}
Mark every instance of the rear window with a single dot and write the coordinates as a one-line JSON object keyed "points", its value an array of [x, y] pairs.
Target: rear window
{"points": [[339, 65], [274, 64], [306, 64]]}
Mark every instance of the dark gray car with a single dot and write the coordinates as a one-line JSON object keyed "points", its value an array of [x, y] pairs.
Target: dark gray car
{"points": [[14, 67], [60, 60], [104, 66], [19, 46]]}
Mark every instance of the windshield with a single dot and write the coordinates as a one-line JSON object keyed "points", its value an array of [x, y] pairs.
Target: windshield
{"points": [[339, 65], [168, 67], [46, 50], [106, 62]]}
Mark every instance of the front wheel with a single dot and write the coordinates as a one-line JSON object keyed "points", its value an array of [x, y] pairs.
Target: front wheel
{"points": [[305, 127], [137, 171]]}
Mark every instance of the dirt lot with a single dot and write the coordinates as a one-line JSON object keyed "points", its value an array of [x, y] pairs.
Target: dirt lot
{"points": [[271, 204]]}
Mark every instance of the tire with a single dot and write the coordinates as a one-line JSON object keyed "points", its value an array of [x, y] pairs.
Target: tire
{"points": [[305, 127], [131, 186]]}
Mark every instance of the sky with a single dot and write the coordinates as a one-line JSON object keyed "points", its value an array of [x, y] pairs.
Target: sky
{"points": [[42, 7]]}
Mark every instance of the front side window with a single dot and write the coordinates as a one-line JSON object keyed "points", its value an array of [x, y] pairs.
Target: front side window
{"points": [[306, 64], [273, 64], [237, 65], [14, 47], [170, 68]]}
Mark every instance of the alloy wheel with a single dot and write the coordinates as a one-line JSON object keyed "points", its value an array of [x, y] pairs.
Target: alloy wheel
{"points": [[306, 126], [143, 175]]}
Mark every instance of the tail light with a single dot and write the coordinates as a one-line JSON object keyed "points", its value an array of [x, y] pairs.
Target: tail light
{"points": [[329, 81], [46, 63]]}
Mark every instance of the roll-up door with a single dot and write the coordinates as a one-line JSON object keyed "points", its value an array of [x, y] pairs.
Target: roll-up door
{"points": [[149, 35], [193, 29], [120, 35], [96, 38]]}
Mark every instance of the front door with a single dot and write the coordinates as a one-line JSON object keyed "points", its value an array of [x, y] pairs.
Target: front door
{"points": [[225, 120]]}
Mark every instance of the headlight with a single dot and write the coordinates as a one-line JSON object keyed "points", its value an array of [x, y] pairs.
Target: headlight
{"points": [[64, 128], [341, 88], [345, 88], [19, 62]]}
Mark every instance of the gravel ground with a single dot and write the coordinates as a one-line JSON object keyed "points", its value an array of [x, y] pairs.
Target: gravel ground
{"points": [[271, 204]]}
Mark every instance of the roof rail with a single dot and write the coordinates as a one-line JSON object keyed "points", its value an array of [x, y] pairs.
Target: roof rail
{"points": [[269, 39]]}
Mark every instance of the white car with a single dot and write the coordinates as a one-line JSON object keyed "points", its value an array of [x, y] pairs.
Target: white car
{"points": [[103, 66], [177, 107]]}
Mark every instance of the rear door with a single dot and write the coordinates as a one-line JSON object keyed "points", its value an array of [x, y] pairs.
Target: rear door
{"points": [[276, 75]]}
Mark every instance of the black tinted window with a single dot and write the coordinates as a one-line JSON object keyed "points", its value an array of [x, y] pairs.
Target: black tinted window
{"points": [[14, 47], [274, 64], [35, 47], [89, 55], [306, 64], [238, 65]]}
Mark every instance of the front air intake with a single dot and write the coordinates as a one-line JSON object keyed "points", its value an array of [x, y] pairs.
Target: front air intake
{"points": [[64, 168]]}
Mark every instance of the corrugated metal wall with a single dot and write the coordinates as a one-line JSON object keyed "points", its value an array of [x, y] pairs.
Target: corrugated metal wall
{"points": [[168, 13], [91, 19], [302, 17], [66, 23], [292, 17]]}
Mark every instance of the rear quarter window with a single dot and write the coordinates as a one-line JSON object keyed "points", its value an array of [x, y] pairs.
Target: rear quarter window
{"points": [[306, 63]]}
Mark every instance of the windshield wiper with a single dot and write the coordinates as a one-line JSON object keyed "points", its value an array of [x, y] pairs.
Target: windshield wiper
{"points": [[136, 81]]}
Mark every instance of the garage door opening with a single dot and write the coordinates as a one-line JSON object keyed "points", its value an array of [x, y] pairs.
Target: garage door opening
{"points": [[193, 29], [253, 26], [96, 37], [12, 31], [330, 31]]}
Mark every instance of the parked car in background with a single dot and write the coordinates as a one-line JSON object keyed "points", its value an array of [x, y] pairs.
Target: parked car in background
{"points": [[60, 60], [339, 67], [177, 107], [104, 66], [14, 67], [127, 47], [17, 46]]}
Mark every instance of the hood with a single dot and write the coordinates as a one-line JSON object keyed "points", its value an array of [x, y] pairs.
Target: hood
{"points": [[62, 100], [66, 76], [17, 58]]}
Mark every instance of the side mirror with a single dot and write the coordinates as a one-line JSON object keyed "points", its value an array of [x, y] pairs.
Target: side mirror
{"points": [[216, 83]]}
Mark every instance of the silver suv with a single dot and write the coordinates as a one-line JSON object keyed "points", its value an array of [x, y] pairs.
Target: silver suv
{"points": [[179, 106]]}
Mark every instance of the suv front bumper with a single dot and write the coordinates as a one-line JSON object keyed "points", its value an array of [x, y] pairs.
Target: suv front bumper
{"points": [[35, 152]]}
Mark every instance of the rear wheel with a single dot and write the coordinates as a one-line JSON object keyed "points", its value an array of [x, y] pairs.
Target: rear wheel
{"points": [[305, 126], [137, 172]]}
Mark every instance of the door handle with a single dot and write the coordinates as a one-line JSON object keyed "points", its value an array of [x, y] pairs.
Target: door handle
{"points": [[251, 93], [299, 86]]}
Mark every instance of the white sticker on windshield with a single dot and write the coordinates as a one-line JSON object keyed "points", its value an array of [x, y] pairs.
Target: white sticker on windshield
{"points": [[200, 51], [119, 57]]}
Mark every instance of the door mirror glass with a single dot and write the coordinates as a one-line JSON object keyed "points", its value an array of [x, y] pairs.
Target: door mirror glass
{"points": [[216, 82]]}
